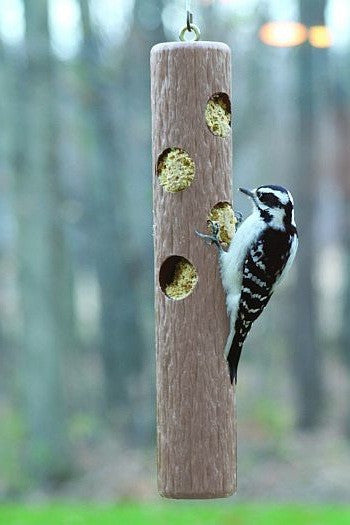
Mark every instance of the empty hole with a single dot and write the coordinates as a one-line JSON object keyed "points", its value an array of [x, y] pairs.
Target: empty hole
{"points": [[177, 277], [218, 114], [223, 214], [175, 170]]}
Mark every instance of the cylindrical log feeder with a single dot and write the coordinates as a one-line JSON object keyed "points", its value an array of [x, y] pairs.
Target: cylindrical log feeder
{"points": [[192, 156]]}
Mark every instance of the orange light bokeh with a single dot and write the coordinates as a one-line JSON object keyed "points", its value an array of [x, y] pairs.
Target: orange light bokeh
{"points": [[320, 36], [283, 34]]}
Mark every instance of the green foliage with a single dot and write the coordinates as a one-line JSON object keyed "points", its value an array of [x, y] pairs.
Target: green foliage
{"points": [[176, 514]]}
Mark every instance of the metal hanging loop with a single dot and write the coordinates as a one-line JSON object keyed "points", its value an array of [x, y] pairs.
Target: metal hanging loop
{"points": [[190, 27]]}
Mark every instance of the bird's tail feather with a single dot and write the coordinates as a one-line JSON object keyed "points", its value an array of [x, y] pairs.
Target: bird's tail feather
{"points": [[235, 354]]}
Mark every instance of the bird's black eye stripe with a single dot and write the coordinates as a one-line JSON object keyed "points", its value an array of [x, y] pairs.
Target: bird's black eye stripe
{"points": [[269, 199]]}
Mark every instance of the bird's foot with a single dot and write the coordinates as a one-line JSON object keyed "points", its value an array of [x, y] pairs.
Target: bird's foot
{"points": [[214, 237], [239, 218]]}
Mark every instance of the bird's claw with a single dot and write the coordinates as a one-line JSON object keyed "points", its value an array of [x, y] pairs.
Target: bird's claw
{"points": [[239, 217], [210, 239], [215, 228]]}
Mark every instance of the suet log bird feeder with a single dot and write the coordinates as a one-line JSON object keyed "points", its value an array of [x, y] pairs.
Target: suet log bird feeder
{"points": [[192, 152]]}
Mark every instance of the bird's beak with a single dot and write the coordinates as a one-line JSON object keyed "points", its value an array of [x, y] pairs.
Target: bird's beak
{"points": [[250, 194], [247, 192]]}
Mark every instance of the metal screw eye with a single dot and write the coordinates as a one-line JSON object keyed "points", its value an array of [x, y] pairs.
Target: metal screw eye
{"points": [[194, 29]]}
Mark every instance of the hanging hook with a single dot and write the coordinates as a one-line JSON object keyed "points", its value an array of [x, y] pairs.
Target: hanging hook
{"points": [[189, 27], [189, 20]]}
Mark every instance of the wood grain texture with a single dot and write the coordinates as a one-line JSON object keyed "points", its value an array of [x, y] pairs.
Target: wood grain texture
{"points": [[195, 400]]}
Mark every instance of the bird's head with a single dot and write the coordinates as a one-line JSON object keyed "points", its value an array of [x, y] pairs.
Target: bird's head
{"points": [[274, 204]]}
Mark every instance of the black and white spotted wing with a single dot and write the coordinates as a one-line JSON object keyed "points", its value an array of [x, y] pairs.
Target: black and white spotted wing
{"points": [[262, 268]]}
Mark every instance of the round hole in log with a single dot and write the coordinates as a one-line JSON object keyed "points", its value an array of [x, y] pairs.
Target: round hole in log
{"points": [[223, 214], [177, 277], [175, 169], [218, 114]]}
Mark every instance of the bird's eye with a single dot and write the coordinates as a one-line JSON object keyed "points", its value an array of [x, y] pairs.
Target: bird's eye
{"points": [[264, 197]]}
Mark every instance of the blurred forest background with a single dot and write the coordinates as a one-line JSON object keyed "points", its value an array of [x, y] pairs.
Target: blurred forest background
{"points": [[77, 374]]}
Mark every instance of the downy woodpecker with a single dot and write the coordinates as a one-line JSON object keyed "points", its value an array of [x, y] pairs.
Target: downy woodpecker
{"points": [[259, 256]]}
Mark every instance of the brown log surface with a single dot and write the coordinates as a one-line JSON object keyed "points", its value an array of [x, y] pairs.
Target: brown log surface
{"points": [[195, 401]]}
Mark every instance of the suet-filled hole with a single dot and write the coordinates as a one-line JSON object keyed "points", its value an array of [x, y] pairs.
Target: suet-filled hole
{"points": [[175, 170], [177, 277], [218, 114], [223, 214]]}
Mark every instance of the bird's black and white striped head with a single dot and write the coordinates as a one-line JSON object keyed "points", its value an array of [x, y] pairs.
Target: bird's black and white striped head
{"points": [[274, 204]]}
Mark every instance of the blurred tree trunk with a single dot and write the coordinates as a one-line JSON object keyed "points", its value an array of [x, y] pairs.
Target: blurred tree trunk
{"points": [[41, 254], [4, 112], [306, 347], [342, 169], [4, 155], [146, 31], [122, 342], [134, 111]]}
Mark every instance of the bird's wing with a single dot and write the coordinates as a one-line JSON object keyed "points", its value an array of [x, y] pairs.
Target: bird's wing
{"points": [[263, 266], [293, 251]]}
